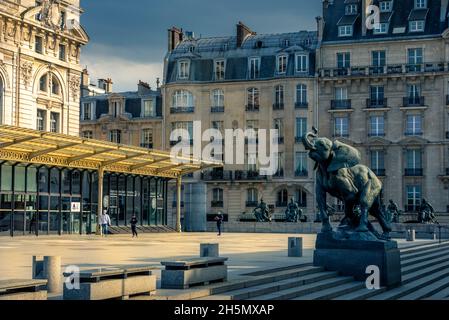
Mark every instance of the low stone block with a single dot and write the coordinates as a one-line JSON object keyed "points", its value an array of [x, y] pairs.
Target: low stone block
{"points": [[295, 247], [209, 250], [183, 279], [25, 296], [411, 235]]}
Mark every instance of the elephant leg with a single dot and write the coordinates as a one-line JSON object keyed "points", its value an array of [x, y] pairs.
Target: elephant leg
{"points": [[367, 199], [376, 212], [349, 215]]}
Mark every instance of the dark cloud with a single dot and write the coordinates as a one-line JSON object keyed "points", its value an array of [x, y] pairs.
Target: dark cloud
{"points": [[135, 31]]}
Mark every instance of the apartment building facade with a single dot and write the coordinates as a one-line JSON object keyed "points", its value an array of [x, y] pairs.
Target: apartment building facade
{"points": [[245, 81], [384, 90], [40, 72]]}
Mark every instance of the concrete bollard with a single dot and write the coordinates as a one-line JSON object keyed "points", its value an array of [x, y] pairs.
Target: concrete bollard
{"points": [[295, 247], [411, 235], [48, 268], [209, 250]]}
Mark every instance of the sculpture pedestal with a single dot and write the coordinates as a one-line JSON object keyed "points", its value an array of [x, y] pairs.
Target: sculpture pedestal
{"points": [[351, 257]]}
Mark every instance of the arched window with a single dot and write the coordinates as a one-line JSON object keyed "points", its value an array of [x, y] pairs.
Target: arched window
{"points": [[182, 99], [217, 98], [252, 197], [55, 86], [301, 198], [282, 198], [253, 99], [43, 83], [279, 97], [217, 198]]}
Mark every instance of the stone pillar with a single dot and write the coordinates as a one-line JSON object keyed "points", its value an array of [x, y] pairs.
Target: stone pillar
{"points": [[48, 268], [178, 203], [100, 200], [411, 235], [295, 247], [209, 250]]}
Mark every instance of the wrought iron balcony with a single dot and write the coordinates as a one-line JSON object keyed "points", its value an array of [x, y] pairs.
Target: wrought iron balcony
{"points": [[216, 175], [301, 105], [413, 101], [252, 108], [302, 173], [175, 110], [217, 204], [175, 142], [281, 204], [278, 106], [376, 103], [379, 172], [376, 134], [146, 145], [217, 109], [279, 173], [241, 175], [252, 204], [340, 104], [414, 172]]}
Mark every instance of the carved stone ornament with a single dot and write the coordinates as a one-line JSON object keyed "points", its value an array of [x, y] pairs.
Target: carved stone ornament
{"points": [[74, 84], [26, 69]]}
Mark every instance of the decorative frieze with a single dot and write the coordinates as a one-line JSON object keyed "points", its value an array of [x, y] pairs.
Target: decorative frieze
{"points": [[26, 71]]}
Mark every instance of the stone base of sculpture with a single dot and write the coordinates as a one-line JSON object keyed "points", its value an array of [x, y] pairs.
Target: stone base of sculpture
{"points": [[350, 253]]}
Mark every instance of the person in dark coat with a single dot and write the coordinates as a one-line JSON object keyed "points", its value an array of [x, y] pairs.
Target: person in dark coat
{"points": [[219, 218], [134, 222]]}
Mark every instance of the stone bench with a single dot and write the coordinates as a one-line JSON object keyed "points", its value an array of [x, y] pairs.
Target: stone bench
{"points": [[112, 283], [23, 289], [192, 272]]}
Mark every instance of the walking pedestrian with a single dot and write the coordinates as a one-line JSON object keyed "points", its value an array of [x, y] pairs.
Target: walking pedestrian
{"points": [[134, 225], [219, 218], [105, 222]]}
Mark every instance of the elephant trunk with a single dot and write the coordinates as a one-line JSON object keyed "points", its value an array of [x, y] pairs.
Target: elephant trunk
{"points": [[308, 144]]}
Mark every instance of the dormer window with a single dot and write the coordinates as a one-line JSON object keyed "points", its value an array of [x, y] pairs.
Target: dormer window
{"points": [[381, 28], [183, 69], [420, 4], [351, 9], [286, 43], [282, 64], [345, 31], [254, 68], [417, 26], [302, 63], [386, 6], [191, 49]]}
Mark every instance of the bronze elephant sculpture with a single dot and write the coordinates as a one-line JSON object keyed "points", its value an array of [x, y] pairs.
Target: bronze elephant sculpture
{"points": [[340, 174]]}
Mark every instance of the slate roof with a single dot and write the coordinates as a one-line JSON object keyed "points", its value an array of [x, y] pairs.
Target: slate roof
{"points": [[203, 51], [403, 12]]}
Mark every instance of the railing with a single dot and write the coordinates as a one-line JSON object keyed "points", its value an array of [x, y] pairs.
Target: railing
{"points": [[376, 103], [216, 204], [411, 208], [301, 105], [379, 172], [301, 173], [383, 70], [241, 175], [182, 110], [376, 134], [298, 139], [414, 172], [281, 204], [413, 133], [173, 143], [251, 204], [340, 104], [146, 145], [252, 108], [216, 175], [413, 101], [279, 174], [217, 109], [278, 106]]}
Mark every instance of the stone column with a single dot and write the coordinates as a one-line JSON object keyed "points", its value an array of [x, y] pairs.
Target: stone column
{"points": [[178, 203], [100, 200], [48, 268]]}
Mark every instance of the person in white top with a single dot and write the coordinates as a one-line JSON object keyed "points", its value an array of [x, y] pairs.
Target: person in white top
{"points": [[105, 222]]}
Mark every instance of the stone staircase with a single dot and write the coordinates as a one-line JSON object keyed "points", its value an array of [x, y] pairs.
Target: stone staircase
{"points": [[140, 229], [425, 272]]}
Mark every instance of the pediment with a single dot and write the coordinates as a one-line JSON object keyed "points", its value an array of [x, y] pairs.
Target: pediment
{"points": [[378, 141], [413, 140]]}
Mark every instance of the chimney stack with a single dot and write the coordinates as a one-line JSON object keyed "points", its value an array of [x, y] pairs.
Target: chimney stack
{"points": [[85, 80], [158, 83], [320, 28], [242, 32], [175, 37], [143, 88], [105, 84]]}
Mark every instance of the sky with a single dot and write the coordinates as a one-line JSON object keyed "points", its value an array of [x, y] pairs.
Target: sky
{"points": [[128, 39]]}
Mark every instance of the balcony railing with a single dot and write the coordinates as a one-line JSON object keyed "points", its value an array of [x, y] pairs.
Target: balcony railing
{"points": [[241, 175], [413, 101], [251, 204], [217, 109], [278, 106], [279, 173], [379, 172], [146, 145], [216, 175], [376, 134], [298, 139], [376, 103], [411, 208], [413, 133], [301, 105], [393, 69], [182, 110], [340, 104], [301, 173], [414, 172], [216, 204], [252, 108], [281, 204], [173, 143]]}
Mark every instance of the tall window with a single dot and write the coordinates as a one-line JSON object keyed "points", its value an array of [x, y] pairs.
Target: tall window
{"points": [[280, 165], [414, 159], [414, 125], [148, 108], [278, 124], [279, 96], [41, 120], [43, 83], [254, 68], [217, 197], [219, 70], [115, 136], [341, 127], [341, 93], [302, 63], [115, 109], [1, 99], [183, 69], [38, 44], [378, 58], [301, 94], [183, 125], [378, 162], [413, 198], [343, 60], [182, 99], [253, 98], [87, 111], [218, 98], [54, 122], [301, 128], [147, 138], [377, 94], [414, 94], [55, 86], [88, 134], [377, 126], [301, 169], [62, 52], [252, 196], [282, 64], [282, 198], [415, 59], [386, 6]]}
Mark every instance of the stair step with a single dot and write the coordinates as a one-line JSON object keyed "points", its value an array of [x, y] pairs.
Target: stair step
{"points": [[443, 294], [306, 289], [334, 292], [361, 294], [425, 258], [268, 271], [256, 291], [428, 291], [423, 252], [420, 266], [411, 287], [424, 272]]}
